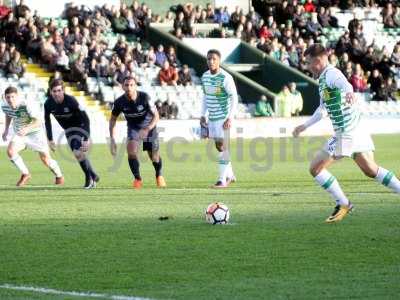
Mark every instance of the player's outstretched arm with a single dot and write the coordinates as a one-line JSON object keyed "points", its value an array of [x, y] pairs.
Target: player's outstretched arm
{"points": [[203, 120], [113, 145], [6, 128], [47, 123], [316, 117]]}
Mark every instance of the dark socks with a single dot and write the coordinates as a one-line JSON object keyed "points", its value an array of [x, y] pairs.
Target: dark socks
{"points": [[92, 172], [157, 167], [85, 165], [134, 165]]}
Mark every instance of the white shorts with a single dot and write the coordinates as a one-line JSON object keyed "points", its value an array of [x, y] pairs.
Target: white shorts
{"points": [[216, 130], [348, 144], [36, 141]]}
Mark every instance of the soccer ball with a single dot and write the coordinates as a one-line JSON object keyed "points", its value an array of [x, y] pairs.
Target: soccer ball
{"points": [[217, 213]]}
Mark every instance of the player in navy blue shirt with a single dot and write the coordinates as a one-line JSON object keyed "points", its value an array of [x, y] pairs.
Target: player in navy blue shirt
{"points": [[141, 117], [73, 118]]}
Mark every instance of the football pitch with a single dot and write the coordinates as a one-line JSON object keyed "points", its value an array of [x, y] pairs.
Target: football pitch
{"points": [[109, 242]]}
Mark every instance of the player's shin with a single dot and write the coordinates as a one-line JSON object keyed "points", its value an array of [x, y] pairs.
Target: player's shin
{"points": [[19, 163], [55, 168], [134, 166], [387, 178], [158, 167], [331, 185], [223, 165]]}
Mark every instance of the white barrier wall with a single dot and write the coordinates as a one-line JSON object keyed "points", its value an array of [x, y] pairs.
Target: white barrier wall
{"points": [[225, 46]]}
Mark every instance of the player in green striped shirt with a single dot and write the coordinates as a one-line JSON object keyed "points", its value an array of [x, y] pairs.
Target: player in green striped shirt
{"points": [[220, 101], [28, 133], [351, 139]]}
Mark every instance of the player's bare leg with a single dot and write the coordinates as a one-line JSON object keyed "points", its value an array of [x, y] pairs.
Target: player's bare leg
{"points": [[155, 157], [223, 163], [53, 166], [318, 169], [370, 168], [132, 148], [13, 150]]}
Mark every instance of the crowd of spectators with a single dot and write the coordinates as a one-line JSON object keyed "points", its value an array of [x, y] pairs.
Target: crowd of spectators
{"points": [[80, 49], [285, 30]]}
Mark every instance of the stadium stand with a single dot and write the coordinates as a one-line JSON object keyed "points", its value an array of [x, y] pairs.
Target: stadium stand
{"points": [[284, 30], [97, 48]]}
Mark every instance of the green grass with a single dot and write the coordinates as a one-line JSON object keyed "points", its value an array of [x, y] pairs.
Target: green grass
{"points": [[110, 240]]}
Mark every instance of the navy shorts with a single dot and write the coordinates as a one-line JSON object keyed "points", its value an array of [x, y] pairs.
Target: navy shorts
{"points": [[150, 143]]}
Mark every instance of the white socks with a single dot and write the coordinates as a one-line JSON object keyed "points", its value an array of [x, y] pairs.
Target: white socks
{"points": [[55, 168], [331, 185], [19, 163], [224, 165], [388, 179]]}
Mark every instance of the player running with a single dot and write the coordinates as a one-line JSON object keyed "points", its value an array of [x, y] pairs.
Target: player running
{"points": [[220, 100], [350, 139], [28, 133], [73, 118], [142, 118]]}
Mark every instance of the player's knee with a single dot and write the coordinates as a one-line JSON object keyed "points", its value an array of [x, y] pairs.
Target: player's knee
{"points": [[219, 147], [79, 155], [154, 156], [10, 153], [132, 155], [45, 159], [314, 170]]}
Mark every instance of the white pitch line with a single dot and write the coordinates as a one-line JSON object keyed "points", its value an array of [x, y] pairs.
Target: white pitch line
{"points": [[68, 293], [188, 189]]}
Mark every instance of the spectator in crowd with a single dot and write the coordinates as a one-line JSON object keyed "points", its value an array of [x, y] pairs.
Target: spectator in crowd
{"points": [[78, 70], [168, 75], [184, 76], [369, 59], [387, 15], [15, 67], [169, 109], [120, 75], [313, 27], [119, 23], [62, 62], [151, 57], [171, 57], [284, 103], [309, 6], [158, 105], [263, 108], [357, 80], [263, 45], [21, 10], [161, 57], [133, 26], [4, 55], [375, 81], [4, 10], [297, 99], [391, 89], [395, 57], [139, 56]]}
